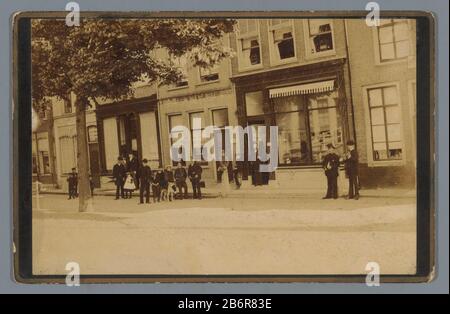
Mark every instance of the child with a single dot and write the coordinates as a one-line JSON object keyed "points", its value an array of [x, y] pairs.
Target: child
{"points": [[171, 188], [163, 185], [129, 185], [155, 187]]}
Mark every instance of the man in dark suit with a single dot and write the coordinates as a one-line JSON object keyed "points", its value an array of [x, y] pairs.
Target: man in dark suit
{"points": [[330, 164], [351, 170], [145, 177], [195, 175], [72, 179], [119, 173], [180, 180]]}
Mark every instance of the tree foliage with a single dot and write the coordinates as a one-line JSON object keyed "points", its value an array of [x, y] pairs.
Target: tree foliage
{"points": [[101, 58]]}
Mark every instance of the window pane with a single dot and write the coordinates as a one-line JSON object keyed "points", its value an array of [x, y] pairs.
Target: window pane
{"points": [[252, 25], [387, 51], [284, 42], [291, 103], [375, 98], [175, 120], [292, 138], [385, 21], [220, 117], [254, 103], [250, 51], [394, 132], [380, 154], [395, 145], [392, 114], [390, 95], [402, 49], [401, 31], [377, 116], [318, 26], [196, 115], [379, 133], [324, 129], [385, 34]]}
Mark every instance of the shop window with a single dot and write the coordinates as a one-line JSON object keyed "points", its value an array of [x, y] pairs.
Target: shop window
{"points": [[281, 36], [254, 103], [393, 39], [210, 74], [387, 142], [306, 124], [320, 36], [249, 52]]}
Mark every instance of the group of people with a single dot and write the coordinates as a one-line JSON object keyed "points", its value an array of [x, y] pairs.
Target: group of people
{"points": [[161, 184], [330, 164]]}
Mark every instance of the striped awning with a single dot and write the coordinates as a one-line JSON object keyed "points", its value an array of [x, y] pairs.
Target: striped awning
{"points": [[310, 88]]}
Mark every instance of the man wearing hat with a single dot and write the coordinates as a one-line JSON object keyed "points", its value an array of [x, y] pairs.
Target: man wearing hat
{"points": [[72, 179], [330, 164], [119, 173], [145, 176], [351, 170]]}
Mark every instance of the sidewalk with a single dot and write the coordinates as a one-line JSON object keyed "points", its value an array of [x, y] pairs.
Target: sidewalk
{"points": [[265, 192]]}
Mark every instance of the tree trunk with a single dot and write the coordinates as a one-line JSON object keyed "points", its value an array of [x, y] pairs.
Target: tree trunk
{"points": [[84, 188]]}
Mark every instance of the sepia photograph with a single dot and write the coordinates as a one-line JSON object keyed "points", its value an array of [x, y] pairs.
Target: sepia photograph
{"points": [[224, 145]]}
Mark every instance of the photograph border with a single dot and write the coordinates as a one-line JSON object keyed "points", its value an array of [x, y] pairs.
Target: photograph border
{"points": [[22, 192]]}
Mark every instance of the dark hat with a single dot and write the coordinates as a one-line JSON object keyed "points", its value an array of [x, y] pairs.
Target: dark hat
{"points": [[329, 145], [120, 158], [144, 160], [74, 168], [350, 142]]}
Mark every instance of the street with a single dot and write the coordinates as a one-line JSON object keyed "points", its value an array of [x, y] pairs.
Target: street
{"points": [[303, 235]]}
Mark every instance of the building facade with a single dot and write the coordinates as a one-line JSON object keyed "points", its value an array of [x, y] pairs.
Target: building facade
{"points": [[203, 93], [129, 126], [293, 73], [320, 81], [43, 147], [383, 79], [65, 134]]}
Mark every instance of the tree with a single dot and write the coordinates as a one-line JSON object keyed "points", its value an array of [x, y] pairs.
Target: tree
{"points": [[101, 58]]}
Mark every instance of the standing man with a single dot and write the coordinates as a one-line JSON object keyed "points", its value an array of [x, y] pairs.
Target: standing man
{"points": [[133, 168], [145, 177], [119, 173], [330, 164], [351, 170], [195, 174], [180, 180], [72, 179]]}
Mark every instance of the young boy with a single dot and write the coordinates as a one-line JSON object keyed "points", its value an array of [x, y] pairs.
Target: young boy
{"points": [[351, 170], [156, 191]]}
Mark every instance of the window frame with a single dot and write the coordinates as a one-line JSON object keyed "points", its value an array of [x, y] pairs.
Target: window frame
{"points": [[174, 60], [239, 37], [191, 130], [307, 111], [272, 52], [369, 142], [308, 47], [377, 47]]}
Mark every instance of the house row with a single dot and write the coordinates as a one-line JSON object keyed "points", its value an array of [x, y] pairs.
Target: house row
{"points": [[319, 80]]}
